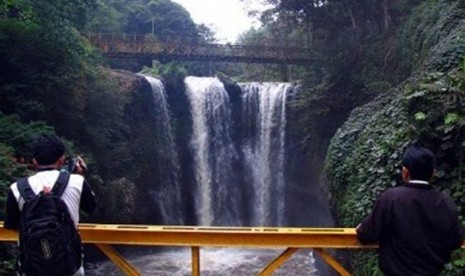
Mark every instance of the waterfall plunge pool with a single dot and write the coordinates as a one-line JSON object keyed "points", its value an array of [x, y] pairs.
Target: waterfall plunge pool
{"points": [[213, 261]]}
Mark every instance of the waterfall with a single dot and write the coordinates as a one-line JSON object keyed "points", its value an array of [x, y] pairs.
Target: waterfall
{"points": [[220, 197], [232, 148], [213, 151], [234, 182], [264, 116], [167, 193]]}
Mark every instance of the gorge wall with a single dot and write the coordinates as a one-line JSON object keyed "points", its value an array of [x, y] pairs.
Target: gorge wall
{"points": [[365, 154]]}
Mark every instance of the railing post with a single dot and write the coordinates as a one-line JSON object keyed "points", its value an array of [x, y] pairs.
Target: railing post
{"points": [[195, 261]]}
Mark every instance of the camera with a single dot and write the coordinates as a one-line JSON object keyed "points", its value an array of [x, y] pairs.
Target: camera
{"points": [[72, 163]]}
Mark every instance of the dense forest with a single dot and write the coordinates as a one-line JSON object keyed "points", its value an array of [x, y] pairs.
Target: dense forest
{"points": [[390, 72]]}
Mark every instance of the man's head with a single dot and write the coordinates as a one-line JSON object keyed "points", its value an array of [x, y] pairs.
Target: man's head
{"points": [[48, 150], [418, 164]]}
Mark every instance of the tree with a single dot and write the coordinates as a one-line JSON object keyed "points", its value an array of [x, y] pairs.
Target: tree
{"points": [[109, 16], [162, 18]]}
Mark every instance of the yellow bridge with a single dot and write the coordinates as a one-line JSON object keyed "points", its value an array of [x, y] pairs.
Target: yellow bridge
{"points": [[319, 239]]}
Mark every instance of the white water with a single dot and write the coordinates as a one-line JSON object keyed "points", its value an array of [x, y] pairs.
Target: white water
{"points": [[213, 262], [213, 151], [264, 110], [218, 195], [167, 194]]}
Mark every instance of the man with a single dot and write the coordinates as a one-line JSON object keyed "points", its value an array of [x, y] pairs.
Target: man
{"points": [[48, 158], [416, 226]]}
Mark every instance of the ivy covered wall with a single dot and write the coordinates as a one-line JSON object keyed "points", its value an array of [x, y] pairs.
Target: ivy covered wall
{"points": [[364, 156]]}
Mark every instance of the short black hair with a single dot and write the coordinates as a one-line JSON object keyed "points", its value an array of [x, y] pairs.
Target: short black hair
{"points": [[420, 162], [48, 149]]}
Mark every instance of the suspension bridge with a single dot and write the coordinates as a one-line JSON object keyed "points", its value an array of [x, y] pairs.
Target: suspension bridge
{"points": [[135, 46]]}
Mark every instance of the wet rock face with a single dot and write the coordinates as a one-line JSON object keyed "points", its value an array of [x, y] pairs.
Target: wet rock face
{"points": [[127, 80]]}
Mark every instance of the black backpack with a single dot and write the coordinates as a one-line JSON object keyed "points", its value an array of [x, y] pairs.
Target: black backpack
{"points": [[49, 242]]}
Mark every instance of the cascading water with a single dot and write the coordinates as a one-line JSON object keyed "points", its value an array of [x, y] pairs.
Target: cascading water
{"points": [[264, 116], [213, 150], [237, 183], [219, 199], [233, 168], [167, 193]]}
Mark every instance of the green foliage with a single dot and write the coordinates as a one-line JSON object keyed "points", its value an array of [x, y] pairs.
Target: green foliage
{"points": [[158, 20], [15, 156], [101, 120], [432, 35], [7, 259], [364, 154], [364, 157], [48, 72], [58, 14], [274, 34], [109, 16], [20, 136], [38, 75], [441, 97], [172, 72], [420, 116], [163, 19], [10, 171], [457, 265]]}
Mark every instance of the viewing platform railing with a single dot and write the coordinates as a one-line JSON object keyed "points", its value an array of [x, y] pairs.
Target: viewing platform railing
{"points": [[318, 239]]}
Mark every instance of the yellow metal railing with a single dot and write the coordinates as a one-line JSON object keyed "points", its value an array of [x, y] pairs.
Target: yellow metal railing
{"points": [[319, 239]]}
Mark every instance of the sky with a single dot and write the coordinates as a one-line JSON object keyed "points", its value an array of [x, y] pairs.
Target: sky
{"points": [[227, 18]]}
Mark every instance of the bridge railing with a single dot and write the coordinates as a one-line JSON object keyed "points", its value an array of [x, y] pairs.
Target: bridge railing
{"points": [[136, 45], [133, 37], [293, 239], [320, 239]]}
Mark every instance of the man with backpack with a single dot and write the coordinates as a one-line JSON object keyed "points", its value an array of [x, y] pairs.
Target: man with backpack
{"points": [[45, 207]]}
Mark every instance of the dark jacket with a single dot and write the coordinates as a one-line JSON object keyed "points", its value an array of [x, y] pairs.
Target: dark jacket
{"points": [[416, 227]]}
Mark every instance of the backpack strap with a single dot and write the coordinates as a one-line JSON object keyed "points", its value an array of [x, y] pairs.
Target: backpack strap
{"points": [[27, 193], [61, 184], [25, 189]]}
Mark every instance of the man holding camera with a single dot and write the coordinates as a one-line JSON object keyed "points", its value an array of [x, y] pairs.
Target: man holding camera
{"points": [[416, 226], [72, 188]]}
